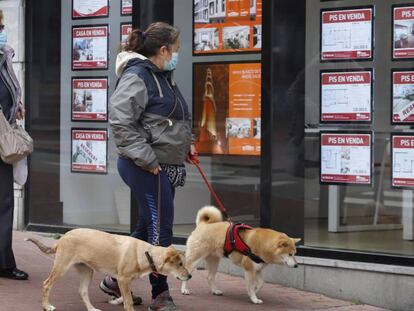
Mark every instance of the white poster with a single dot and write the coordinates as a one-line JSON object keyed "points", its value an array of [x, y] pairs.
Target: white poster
{"points": [[89, 8], [90, 47], [125, 31], [346, 96], [403, 37], [89, 99], [403, 97], [403, 160], [89, 151], [126, 7], [346, 158], [347, 34]]}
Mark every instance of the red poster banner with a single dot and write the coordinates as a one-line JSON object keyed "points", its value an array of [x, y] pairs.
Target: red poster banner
{"points": [[403, 160], [403, 38], [89, 8], [90, 99], [403, 97]]}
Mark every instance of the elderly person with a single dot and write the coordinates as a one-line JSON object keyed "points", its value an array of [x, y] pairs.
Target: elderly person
{"points": [[12, 108]]}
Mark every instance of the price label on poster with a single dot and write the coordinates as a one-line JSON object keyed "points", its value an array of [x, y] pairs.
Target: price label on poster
{"points": [[90, 47], [227, 26], [347, 34], [125, 31], [346, 158], [89, 8], [89, 151], [346, 96], [403, 160], [126, 7], [403, 35], [403, 97], [90, 99]]}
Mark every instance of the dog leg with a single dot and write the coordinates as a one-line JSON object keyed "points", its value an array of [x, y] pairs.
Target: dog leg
{"points": [[212, 266], [85, 274], [191, 262], [124, 286], [60, 267], [260, 281], [250, 277]]}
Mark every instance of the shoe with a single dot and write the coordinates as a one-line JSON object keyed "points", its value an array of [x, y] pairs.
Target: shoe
{"points": [[111, 288], [14, 274], [163, 302]]}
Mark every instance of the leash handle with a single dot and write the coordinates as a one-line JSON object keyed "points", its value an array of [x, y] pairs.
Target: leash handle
{"points": [[220, 204]]}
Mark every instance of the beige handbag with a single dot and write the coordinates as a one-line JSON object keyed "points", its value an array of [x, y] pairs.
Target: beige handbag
{"points": [[15, 142]]}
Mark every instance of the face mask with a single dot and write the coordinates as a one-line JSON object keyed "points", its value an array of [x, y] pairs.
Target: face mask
{"points": [[171, 64], [3, 39]]}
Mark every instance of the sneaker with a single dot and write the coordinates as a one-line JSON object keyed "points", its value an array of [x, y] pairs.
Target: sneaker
{"points": [[111, 288], [163, 302]]}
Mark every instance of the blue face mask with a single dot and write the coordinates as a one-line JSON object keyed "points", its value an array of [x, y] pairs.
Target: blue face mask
{"points": [[3, 39], [171, 64]]}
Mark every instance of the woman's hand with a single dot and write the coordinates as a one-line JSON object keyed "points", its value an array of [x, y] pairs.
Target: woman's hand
{"points": [[192, 156], [21, 112], [155, 170]]}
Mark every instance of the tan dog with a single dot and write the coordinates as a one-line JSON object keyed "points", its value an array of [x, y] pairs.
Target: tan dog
{"points": [[206, 242], [119, 256]]}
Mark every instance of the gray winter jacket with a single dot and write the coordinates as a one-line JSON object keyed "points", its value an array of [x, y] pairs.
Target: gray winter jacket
{"points": [[149, 117]]}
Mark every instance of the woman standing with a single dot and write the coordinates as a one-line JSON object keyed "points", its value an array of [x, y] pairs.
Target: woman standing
{"points": [[12, 108], [151, 126]]}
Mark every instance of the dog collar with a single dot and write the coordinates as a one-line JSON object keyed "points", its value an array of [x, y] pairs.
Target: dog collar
{"points": [[151, 262]]}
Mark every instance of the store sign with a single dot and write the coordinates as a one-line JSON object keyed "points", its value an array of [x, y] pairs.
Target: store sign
{"points": [[126, 7], [89, 99], [347, 34], [403, 160], [346, 96], [227, 111], [89, 150], [227, 26], [90, 8], [90, 47], [125, 31], [346, 158], [403, 97], [403, 35]]}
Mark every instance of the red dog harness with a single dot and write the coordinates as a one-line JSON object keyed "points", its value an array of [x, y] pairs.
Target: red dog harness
{"points": [[234, 242]]}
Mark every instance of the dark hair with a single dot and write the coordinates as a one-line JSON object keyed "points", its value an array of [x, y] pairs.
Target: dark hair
{"points": [[149, 41]]}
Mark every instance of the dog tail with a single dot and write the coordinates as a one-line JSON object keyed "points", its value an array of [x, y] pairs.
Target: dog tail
{"points": [[45, 249], [208, 215]]}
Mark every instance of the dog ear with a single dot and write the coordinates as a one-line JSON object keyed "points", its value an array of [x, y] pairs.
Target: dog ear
{"points": [[296, 240], [282, 243]]}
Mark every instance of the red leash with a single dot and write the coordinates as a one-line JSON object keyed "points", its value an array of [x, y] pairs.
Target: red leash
{"points": [[220, 204]]}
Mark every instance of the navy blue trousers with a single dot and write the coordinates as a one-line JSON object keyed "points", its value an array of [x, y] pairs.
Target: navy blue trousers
{"points": [[155, 223], [6, 216]]}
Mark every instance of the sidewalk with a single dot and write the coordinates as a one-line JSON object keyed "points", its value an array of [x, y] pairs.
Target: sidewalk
{"points": [[26, 295]]}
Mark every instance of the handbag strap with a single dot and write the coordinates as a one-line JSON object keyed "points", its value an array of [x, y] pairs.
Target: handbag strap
{"points": [[2, 61]]}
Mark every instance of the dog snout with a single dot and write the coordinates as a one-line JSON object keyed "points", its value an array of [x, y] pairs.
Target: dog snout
{"points": [[190, 276], [295, 266]]}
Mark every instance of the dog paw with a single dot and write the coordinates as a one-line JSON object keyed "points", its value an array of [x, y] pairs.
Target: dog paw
{"points": [[94, 309], [257, 301], [116, 301], [185, 291], [50, 308], [217, 292]]}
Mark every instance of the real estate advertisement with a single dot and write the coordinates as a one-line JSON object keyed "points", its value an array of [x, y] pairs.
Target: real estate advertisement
{"points": [[403, 37], [227, 108], [89, 150], [347, 34], [89, 8], [89, 99], [346, 96], [403, 97], [227, 26], [346, 158], [125, 31], [126, 7], [90, 47], [403, 160]]}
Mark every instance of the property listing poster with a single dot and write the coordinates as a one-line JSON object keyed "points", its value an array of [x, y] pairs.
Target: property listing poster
{"points": [[227, 108], [347, 34], [89, 150], [403, 97], [346, 96], [403, 160], [90, 8], [89, 99], [126, 7], [227, 26], [125, 31], [403, 33], [346, 158], [90, 47]]}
